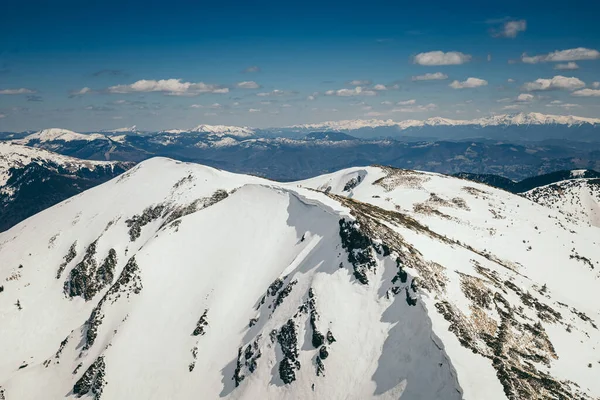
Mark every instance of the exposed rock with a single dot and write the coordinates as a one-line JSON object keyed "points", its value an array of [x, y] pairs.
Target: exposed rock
{"points": [[287, 339], [201, 325], [92, 382], [71, 254]]}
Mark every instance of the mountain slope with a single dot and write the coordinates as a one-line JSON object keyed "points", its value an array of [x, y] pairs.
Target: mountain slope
{"points": [[177, 281], [34, 179], [576, 198]]}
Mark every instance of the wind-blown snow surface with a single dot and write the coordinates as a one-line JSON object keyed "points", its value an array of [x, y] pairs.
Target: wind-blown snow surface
{"points": [[181, 281]]}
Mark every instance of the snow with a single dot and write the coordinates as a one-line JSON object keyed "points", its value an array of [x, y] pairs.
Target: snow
{"points": [[495, 120], [224, 256], [14, 156], [225, 130], [53, 134], [576, 199]]}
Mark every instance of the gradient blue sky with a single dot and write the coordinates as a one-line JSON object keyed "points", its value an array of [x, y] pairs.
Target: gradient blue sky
{"points": [[305, 53]]}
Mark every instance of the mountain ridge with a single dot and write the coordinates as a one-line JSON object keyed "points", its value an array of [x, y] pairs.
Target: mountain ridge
{"points": [[369, 282]]}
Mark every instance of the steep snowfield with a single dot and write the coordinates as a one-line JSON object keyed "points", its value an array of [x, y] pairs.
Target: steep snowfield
{"points": [[181, 281], [578, 199]]}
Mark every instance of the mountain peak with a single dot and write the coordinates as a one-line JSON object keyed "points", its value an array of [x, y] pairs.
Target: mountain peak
{"points": [[59, 134], [221, 130]]}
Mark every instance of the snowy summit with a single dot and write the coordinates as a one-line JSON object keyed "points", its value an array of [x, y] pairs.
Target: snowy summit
{"points": [[177, 280]]}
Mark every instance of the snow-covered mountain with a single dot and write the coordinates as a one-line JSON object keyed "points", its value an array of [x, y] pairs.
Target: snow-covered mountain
{"points": [[182, 281], [216, 130], [32, 179], [496, 120], [127, 129], [577, 198], [57, 134]]}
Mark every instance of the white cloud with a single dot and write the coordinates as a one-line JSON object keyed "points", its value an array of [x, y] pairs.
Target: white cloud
{"points": [[489, 57], [254, 110], [358, 82], [511, 29], [510, 80], [386, 103], [524, 98], [504, 100], [275, 92], [579, 53], [586, 93], [436, 76], [567, 66], [2, 115], [441, 58], [17, 91], [373, 114], [379, 87], [248, 85], [357, 91], [196, 106], [172, 87], [512, 107], [407, 102], [555, 83], [310, 98], [419, 108], [562, 105], [596, 85], [469, 83]]}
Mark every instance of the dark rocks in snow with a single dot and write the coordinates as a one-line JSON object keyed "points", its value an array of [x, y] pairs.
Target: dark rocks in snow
{"points": [[411, 299], [323, 353], [136, 222], [284, 293], [359, 249], [71, 254], [128, 282], [18, 304], [247, 361], [194, 357], [401, 275], [317, 337], [352, 183], [320, 367], [201, 325], [92, 382], [81, 281], [1, 288], [288, 340], [274, 287], [106, 272], [330, 337], [252, 322]]}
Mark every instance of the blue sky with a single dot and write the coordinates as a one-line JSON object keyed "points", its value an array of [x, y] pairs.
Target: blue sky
{"points": [[96, 65]]}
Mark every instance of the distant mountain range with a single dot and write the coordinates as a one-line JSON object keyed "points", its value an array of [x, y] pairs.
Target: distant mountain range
{"points": [[520, 119], [513, 146]]}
